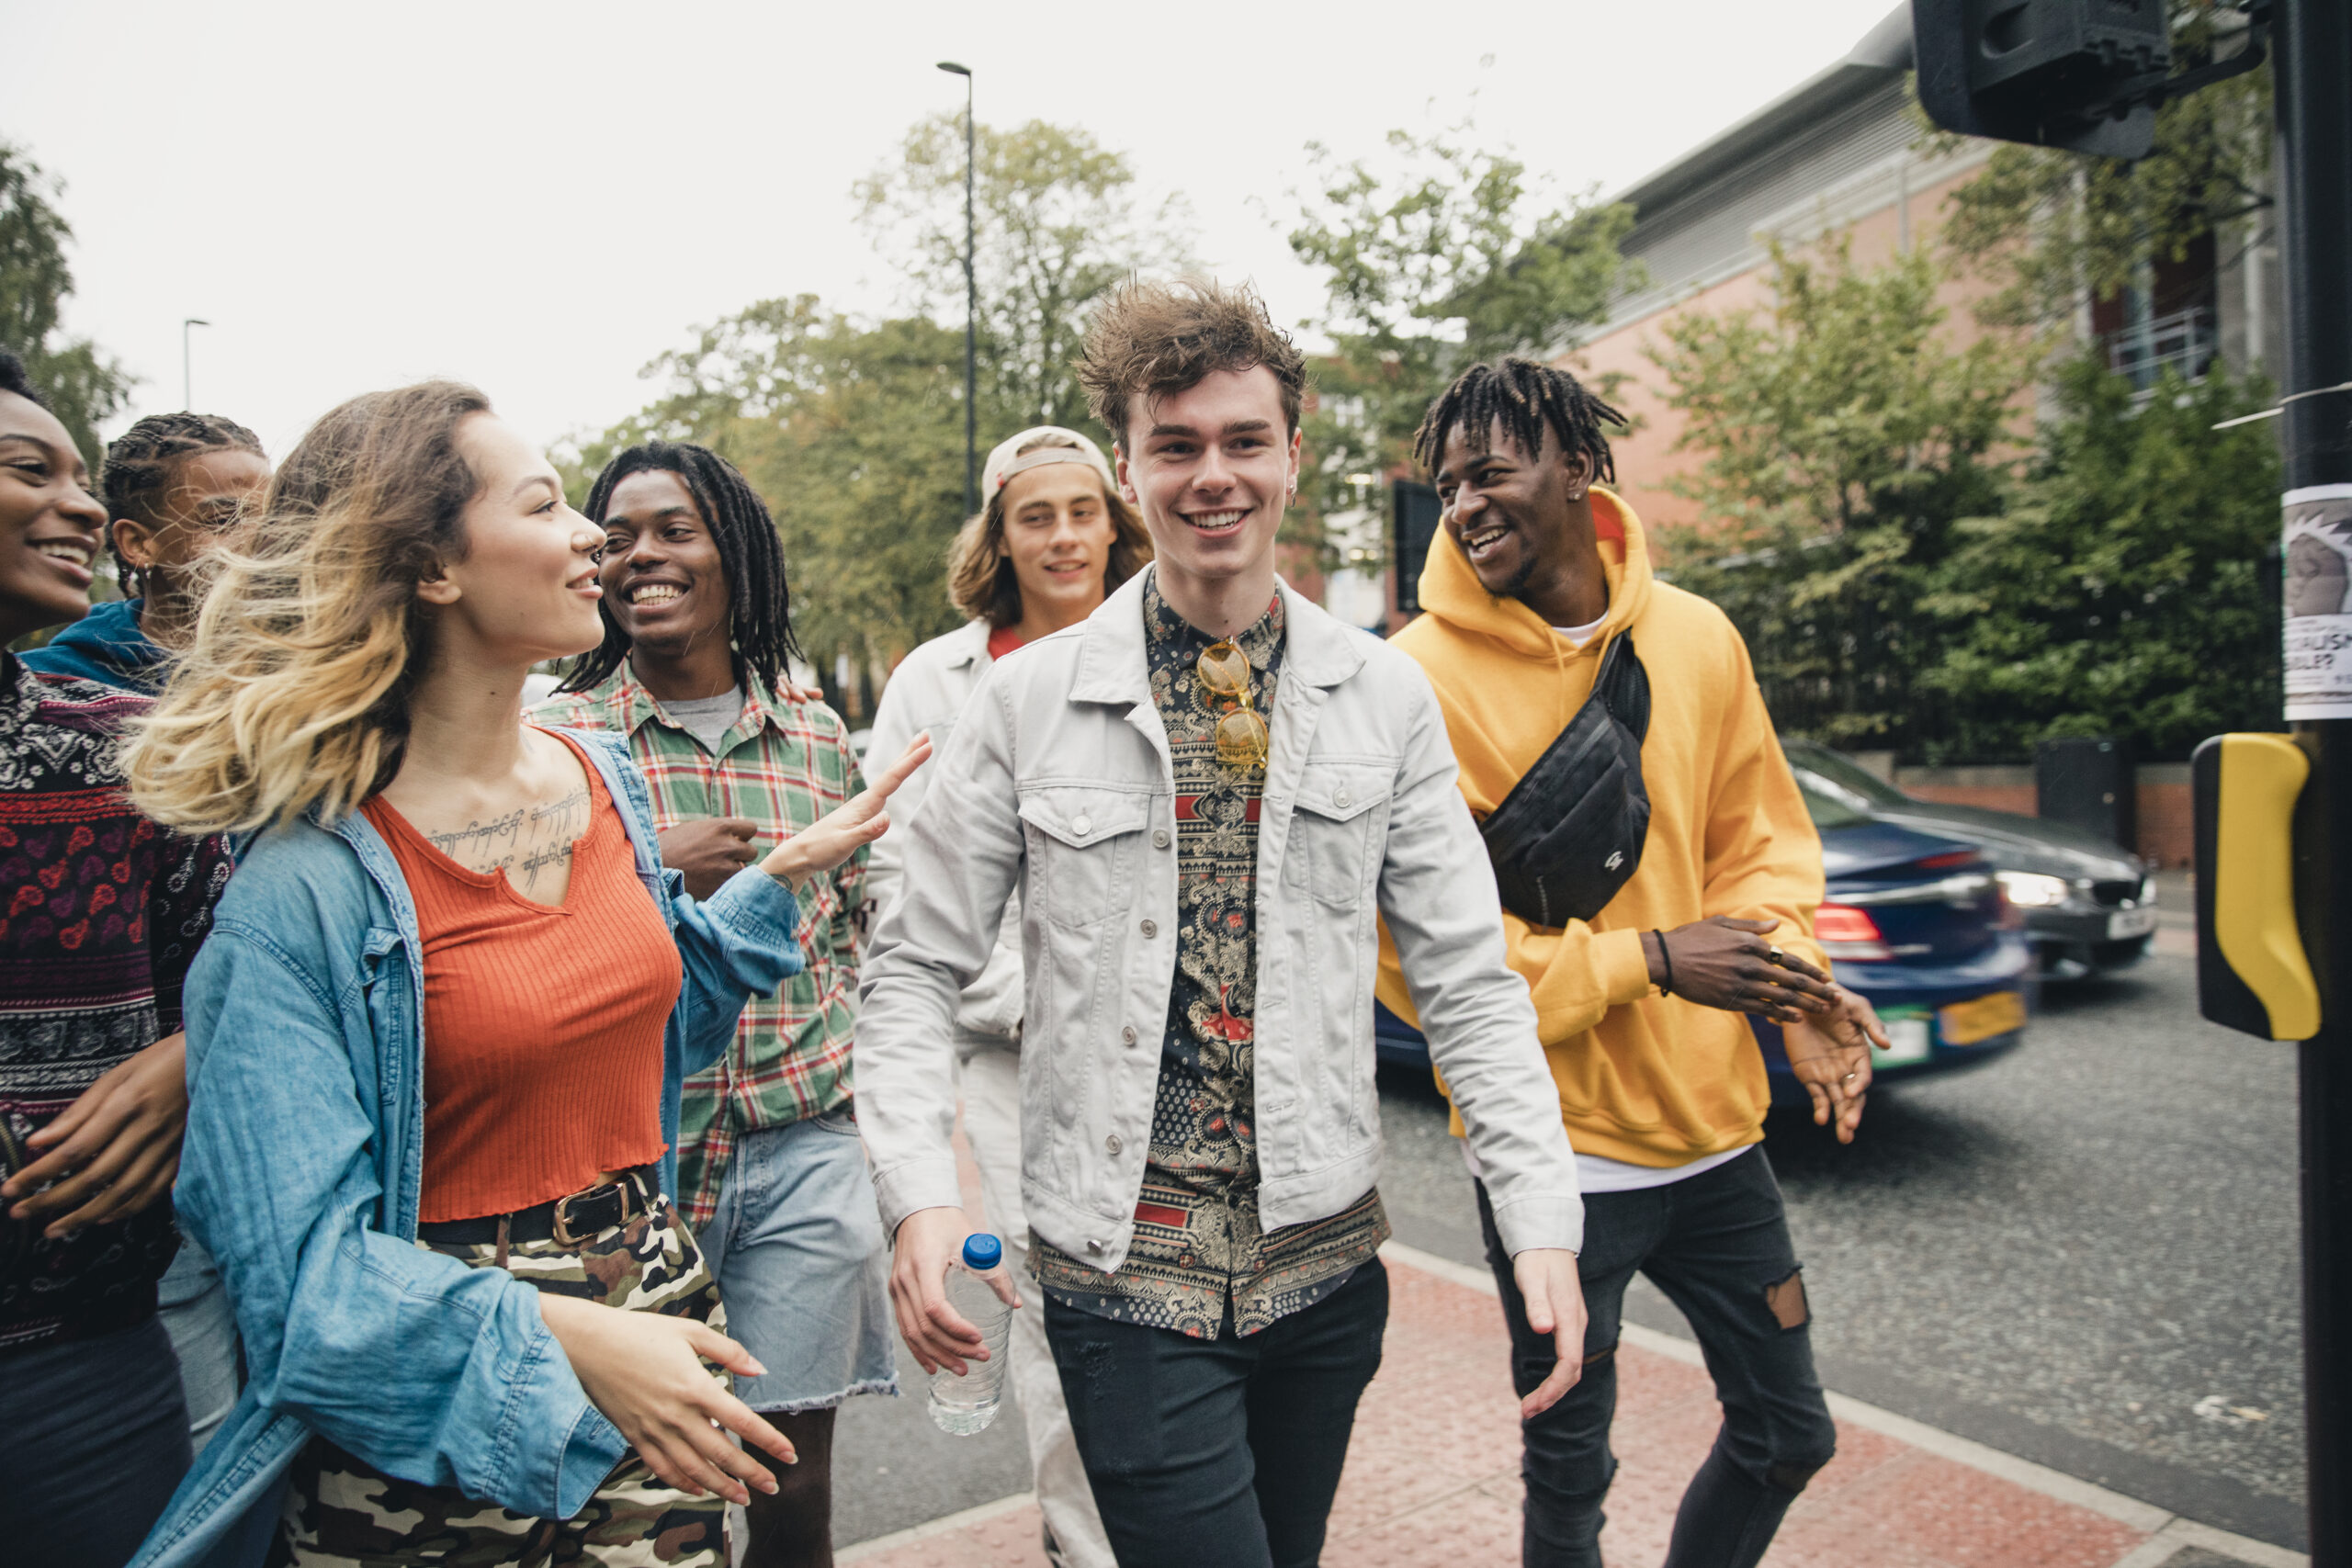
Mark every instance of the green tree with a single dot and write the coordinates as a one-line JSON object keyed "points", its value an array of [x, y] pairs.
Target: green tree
{"points": [[84, 386], [1058, 228], [851, 433], [1841, 435], [2127, 588], [853, 429], [2050, 227], [1442, 256]]}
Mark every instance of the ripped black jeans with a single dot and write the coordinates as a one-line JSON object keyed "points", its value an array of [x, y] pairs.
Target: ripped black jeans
{"points": [[1717, 1244]]}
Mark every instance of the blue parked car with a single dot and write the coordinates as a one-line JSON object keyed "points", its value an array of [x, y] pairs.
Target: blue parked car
{"points": [[1914, 921]]}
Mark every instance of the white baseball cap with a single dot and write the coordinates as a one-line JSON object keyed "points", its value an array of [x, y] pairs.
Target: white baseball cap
{"points": [[1062, 446]]}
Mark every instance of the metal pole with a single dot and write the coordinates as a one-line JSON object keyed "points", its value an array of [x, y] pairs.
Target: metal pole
{"points": [[2314, 168], [971, 308], [188, 377], [971, 320]]}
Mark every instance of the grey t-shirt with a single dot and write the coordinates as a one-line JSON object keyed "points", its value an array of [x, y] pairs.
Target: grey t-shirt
{"points": [[709, 719]]}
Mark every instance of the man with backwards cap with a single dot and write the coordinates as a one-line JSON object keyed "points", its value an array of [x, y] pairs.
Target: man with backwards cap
{"points": [[1053, 540]]}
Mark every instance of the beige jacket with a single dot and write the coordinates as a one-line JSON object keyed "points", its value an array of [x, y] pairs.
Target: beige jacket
{"points": [[927, 691]]}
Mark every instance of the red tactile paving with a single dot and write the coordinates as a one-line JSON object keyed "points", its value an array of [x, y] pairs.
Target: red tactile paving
{"points": [[1432, 1473]]}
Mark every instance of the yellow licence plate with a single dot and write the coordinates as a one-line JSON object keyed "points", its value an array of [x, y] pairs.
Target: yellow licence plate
{"points": [[1980, 1017]]}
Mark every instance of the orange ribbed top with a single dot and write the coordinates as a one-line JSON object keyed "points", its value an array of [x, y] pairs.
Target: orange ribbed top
{"points": [[542, 1022]]}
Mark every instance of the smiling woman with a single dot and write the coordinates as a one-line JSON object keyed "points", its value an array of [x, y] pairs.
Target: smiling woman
{"points": [[49, 520], [460, 1269], [98, 915]]}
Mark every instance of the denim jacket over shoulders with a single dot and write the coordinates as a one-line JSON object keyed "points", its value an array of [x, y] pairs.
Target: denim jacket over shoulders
{"points": [[301, 1175]]}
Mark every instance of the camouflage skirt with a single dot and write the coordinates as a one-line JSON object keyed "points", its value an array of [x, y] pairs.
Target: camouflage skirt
{"points": [[341, 1512]]}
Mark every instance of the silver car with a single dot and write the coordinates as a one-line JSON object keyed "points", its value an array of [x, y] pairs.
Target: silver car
{"points": [[2089, 905]]}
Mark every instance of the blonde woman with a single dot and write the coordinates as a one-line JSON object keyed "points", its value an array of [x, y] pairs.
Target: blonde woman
{"points": [[1055, 538], [436, 1036]]}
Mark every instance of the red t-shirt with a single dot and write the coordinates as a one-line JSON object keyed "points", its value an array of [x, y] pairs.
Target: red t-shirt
{"points": [[1003, 640], [542, 1022]]}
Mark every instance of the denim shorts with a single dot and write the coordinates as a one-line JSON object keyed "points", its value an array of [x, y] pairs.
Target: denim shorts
{"points": [[799, 1249]]}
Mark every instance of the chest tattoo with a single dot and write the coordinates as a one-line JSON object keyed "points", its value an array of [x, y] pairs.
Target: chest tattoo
{"points": [[527, 843]]}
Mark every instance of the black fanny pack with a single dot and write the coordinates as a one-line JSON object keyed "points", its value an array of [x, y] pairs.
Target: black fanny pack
{"points": [[1570, 832]]}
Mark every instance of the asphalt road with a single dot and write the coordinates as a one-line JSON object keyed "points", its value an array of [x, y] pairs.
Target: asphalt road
{"points": [[2083, 1254]]}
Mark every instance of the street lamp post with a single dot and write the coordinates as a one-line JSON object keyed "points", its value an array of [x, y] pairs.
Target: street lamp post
{"points": [[188, 377], [971, 311]]}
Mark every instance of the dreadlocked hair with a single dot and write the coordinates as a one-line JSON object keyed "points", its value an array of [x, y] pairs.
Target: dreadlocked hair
{"points": [[1526, 398], [14, 379], [759, 606], [139, 465]]}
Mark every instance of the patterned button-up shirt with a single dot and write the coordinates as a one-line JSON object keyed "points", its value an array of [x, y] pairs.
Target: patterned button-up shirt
{"points": [[1198, 1249], [783, 765]]}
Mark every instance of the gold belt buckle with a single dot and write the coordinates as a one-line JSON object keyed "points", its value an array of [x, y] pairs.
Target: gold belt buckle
{"points": [[623, 1189]]}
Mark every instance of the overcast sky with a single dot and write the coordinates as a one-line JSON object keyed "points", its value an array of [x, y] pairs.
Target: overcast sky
{"points": [[540, 198]]}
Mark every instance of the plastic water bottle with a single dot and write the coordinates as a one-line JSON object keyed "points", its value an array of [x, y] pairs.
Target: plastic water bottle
{"points": [[967, 1405]]}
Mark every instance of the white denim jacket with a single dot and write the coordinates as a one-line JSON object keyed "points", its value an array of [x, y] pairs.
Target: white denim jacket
{"points": [[1058, 781], [927, 691]]}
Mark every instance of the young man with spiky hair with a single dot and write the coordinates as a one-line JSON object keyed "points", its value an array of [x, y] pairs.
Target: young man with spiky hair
{"points": [[1539, 593], [1205, 794]]}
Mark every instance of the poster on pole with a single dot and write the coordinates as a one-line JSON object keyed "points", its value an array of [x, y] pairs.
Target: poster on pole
{"points": [[2317, 541]]}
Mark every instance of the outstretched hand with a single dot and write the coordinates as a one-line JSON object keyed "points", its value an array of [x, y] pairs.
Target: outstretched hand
{"points": [[645, 1372], [1831, 1056], [840, 833]]}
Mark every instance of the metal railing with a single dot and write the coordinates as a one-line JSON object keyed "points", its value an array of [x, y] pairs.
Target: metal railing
{"points": [[2186, 341]]}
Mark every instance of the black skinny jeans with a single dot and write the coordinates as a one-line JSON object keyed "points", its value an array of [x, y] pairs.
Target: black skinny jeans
{"points": [[1718, 1246], [93, 1441], [1223, 1452]]}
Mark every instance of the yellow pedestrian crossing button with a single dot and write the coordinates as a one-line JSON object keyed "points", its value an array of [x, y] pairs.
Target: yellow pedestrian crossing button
{"points": [[2252, 974]]}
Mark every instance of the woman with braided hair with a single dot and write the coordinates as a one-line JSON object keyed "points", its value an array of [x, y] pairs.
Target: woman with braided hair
{"points": [[172, 485]]}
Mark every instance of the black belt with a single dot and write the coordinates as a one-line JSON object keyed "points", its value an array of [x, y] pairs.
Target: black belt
{"points": [[568, 1220]]}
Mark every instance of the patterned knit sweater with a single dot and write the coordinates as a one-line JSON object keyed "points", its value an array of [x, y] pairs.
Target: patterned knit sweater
{"points": [[101, 911]]}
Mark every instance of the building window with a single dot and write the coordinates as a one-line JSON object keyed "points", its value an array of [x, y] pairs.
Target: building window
{"points": [[2165, 320]]}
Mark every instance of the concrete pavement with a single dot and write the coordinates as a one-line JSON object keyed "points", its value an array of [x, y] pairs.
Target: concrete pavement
{"points": [[1433, 1472], [2082, 1257]]}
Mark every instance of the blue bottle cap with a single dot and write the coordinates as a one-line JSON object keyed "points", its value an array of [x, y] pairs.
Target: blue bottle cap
{"points": [[982, 1252]]}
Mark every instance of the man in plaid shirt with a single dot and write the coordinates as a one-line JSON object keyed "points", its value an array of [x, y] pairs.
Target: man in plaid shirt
{"points": [[771, 1173]]}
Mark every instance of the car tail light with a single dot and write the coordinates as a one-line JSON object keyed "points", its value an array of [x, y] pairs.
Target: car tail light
{"points": [[1949, 858], [1846, 933]]}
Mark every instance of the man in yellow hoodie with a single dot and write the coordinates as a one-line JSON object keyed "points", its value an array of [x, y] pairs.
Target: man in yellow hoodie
{"points": [[1538, 570]]}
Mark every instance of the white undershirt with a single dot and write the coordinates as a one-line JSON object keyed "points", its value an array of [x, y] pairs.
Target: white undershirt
{"points": [[1595, 1173], [1578, 636]]}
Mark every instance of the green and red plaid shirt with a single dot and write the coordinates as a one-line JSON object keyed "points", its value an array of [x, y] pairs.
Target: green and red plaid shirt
{"points": [[783, 765]]}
